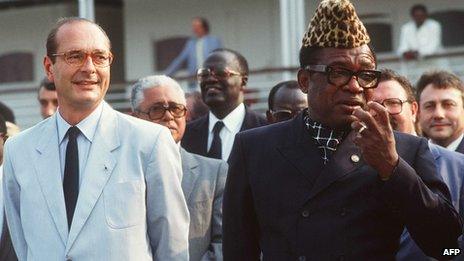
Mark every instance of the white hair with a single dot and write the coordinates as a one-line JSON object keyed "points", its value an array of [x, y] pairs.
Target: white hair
{"points": [[149, 82]]}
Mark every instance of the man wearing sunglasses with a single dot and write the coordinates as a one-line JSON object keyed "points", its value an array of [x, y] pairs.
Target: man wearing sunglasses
{"points": [[161, 100], [335, 182], [6, 247], [395, 93], [90, 183], [222, 80], [285, 101]]}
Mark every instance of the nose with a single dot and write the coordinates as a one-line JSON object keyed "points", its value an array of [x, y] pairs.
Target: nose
{"points": [[88, 65], [353, 86], [168, 116], [439, 112]]}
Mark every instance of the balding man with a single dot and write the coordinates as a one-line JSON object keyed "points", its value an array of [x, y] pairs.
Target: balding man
{"points": [[160, 99], [90, 183], [285, 101]]}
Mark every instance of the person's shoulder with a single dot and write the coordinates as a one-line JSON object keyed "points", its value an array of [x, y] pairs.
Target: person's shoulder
{"points": [[448, 154], [208, 166], [432, 22], [132, 124], [266, 131]]}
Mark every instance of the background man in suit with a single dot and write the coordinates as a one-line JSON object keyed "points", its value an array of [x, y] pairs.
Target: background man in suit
{"points": [[285, 101], [222, 81], [161, 100], [334, 183], [6, 248], [396, 94], [47, 98], [89, 173], [441, 109], [196, 49]]}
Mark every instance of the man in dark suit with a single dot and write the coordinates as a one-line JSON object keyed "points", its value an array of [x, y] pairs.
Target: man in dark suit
{"points": [[396, 94], [285, 101], [441, 109], [334, 183], [6, 247], [222, 81]]}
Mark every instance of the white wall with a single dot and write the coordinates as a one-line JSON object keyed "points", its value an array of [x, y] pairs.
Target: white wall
{"points": [[250, 27]]}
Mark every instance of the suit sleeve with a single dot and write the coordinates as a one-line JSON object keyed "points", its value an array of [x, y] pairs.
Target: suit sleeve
{"points": [[240, 225], [215, 248], [177, 62], [420, 198], [11, 197], [167, 213]]}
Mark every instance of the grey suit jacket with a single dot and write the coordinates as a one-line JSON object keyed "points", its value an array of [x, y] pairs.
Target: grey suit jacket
{"points": [[130, 204], [203, 185]]}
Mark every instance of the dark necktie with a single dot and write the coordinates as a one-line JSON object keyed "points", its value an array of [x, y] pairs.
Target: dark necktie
{"points": [[71, 174], [215, 151]]}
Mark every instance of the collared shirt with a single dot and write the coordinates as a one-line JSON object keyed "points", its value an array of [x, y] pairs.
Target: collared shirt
{"points": [[1, 201], [426, 39], [87, 126], [326, 139], [455, 144], [199, 51], [232, 124]]}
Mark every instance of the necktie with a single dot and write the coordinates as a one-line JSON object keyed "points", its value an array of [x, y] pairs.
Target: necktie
{"points": [[71, 174], [215, 151]]}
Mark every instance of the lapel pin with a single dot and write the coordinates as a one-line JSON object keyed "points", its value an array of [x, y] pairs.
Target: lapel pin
{"points": [[354, 158]]}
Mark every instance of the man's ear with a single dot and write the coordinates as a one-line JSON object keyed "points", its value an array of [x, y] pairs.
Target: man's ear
{"points": [[414, 111], [48, 67], [244, 80], [303, 80]]}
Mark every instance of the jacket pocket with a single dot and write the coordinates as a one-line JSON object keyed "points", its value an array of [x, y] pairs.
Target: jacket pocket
{"points": [[124, 204]]}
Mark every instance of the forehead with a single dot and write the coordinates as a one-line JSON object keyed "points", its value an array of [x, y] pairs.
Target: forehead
{"points": [[163, 94], [389, 89], [355, 57], [222, 59], [81, 36], [431, 93]]}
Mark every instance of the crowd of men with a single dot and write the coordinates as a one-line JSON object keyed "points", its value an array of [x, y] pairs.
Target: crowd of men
{"points": [[350, 162]]}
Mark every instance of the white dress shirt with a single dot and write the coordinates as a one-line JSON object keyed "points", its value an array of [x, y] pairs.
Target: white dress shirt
{"points": [[232, 124], [87, 128], [1, 200], [455, 144], [426, 39]]}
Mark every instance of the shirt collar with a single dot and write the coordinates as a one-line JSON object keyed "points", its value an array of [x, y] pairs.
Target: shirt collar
{"points": [[233, 121], [87, 126], [455, 144]]}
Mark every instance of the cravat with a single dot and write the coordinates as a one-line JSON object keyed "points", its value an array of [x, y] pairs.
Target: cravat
{"points": [[71, 174], [215, 151]]}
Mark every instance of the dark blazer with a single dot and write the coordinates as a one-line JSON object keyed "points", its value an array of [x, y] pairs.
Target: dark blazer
{"points": [[195, 139], [6, 247], [460, 148], [280, 200]]}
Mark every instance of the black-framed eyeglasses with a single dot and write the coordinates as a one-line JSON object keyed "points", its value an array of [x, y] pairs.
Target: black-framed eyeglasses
{"points": [[283, 115], [339, 77], [78, 57], [394, 106], [157, 111], [218, 73]]}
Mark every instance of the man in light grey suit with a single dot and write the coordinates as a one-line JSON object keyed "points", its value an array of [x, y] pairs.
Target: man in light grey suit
{"points": [[396, 94], [90, 183], [160, 99]]}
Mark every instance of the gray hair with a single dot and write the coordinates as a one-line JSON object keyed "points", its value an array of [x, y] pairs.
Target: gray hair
{"points": [[149, 82]]}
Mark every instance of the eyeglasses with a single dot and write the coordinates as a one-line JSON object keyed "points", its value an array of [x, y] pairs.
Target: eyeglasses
{"points": [[339, 77], [394, 105], [220, 74], [283, 115], [157, 111], [78, 57]]}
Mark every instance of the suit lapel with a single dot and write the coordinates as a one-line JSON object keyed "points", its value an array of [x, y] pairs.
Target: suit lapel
{"points": [[460, 148], [48, 170], [190, 173], [346, 159], [301, 151], [98, 169]]}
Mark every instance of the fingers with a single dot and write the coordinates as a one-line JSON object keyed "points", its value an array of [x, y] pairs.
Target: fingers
{"points": [[380, 113], [366, 118]]}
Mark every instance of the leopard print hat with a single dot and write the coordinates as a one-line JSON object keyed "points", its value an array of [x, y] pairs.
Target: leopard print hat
{"points": [[335, 24]]}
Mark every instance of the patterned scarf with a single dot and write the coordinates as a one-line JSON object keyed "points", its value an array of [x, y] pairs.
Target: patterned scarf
{"points": [[327, 140]]}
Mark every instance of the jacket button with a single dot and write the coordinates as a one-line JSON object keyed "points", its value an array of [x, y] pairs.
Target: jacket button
{"points": [[301, 258], [305, 213], [68, 258], [341, 258], [343, 212]]}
